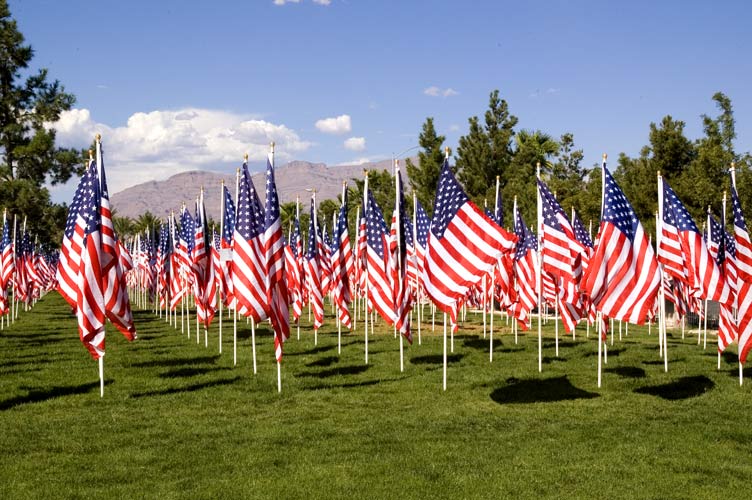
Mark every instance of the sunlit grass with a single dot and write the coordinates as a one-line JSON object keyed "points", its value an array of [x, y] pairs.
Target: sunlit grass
{"points": [[178, 420]]}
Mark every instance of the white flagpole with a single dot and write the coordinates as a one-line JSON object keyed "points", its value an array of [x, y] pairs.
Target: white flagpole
{"points": [[398, 223], [297, 218], [538, 277], [316, 243], [733, 184], [101, 376], [99, 180], [599, 319], [415, 250], [659, 231], [253, 343], [14, 310], [365, 208], [279, 376], [235, 301], [221, 239], [445, 350]]}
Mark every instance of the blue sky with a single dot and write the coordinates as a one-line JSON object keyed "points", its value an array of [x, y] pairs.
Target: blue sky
{"points": [[180, 85]]}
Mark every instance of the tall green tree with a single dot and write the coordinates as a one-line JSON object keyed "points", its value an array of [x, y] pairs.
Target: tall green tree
{"points": [[28, 155], [486, 151], [424, 177]]}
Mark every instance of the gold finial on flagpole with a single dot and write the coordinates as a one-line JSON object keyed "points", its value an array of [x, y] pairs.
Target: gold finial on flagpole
{"points": [[91, 154], [245, 158], [98, 137], [271, 146], [446, 153], [605, 156]]}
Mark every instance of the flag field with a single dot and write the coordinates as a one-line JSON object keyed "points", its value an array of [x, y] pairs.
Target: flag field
{"points": [[178, 420]]}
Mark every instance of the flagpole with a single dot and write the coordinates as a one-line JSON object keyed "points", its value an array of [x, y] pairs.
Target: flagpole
{"points": [[235, 300], [659, 231], [723, 242], [600, 346], [316, 245], [297, 218], [741, 367], [445, 351], [538, 273], [398, 227], [365, 205], [415, 251], [99, 181], [14, 310], [221, 240]]}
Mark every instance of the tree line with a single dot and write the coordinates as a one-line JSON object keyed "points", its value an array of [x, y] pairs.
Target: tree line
{"points": [[493, 147]]}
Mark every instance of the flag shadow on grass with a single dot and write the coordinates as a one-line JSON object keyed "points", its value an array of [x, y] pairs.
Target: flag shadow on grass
{"points": [[190, 372], [611, 353], [339, 370], [39, 395], [315, 350], [549, 390], [327, 361], [627, 371], [156, 363], [436, 359], [347, 385], [481, 344], [683, 388], [187, 388]]}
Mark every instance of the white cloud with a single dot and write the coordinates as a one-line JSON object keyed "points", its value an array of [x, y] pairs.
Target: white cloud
{"points": [[355, 143], [338, 125], [158, 144], [434, 91], [454, 127], [323, 2]]}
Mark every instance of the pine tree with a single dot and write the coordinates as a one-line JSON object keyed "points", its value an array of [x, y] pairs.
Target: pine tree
{"points": [[29, 155], [424, 177]]}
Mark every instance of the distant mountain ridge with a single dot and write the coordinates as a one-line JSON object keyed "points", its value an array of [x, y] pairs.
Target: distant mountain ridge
{"points": [[293, 179]]}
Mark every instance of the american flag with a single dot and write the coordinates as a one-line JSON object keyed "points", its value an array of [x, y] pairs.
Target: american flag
{"points": [[463, 244], [380, 293], [743, 248], [177, 282], [325, 256], [341, 255], [360, 254], [313, 271], [163, 266], [205, 286], [7, 266], [525, 269], [248, 265], [117, 305], [622, 279], [70, 250], [90, 297], [559, 253], [293, 269], [422, 227], [228, 229], [684, 254], [583, 260], [400, 279], [715, 241], [274, 251]]}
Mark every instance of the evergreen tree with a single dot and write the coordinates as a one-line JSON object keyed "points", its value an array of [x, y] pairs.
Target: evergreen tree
{"points": [[29, 157], [474, 165], [424, 177]]}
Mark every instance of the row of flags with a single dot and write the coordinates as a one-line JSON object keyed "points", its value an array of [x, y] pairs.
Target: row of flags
{"points": [[462, 255], [24, 268]]}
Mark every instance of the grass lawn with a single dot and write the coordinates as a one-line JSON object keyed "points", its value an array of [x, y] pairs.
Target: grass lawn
{"points": [[178, 420]]}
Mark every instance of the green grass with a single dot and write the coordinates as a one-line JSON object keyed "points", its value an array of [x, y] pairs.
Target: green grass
{"points": [[178, 420]]}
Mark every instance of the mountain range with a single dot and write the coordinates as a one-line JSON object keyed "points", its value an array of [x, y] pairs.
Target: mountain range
{"points": [[294, 179]]}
